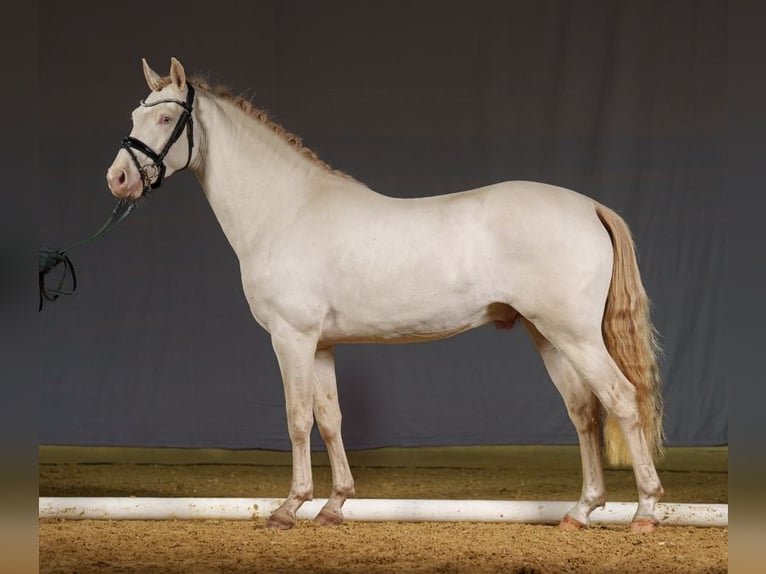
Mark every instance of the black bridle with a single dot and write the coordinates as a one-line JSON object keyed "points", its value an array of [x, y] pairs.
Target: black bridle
{"points": [[156, 170]]}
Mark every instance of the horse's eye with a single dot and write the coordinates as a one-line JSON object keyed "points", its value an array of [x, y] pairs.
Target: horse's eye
{"points": [[165, 120]]}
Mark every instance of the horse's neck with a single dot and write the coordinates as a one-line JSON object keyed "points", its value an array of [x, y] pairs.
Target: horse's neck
{"points": [[252, 177]]}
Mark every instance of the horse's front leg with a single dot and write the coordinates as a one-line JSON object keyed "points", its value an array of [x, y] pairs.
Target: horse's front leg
{"points": [[295, 353], [328, 417]]}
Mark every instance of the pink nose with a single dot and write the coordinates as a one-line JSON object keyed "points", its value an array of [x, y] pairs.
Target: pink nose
{"points": [[117, 179]]}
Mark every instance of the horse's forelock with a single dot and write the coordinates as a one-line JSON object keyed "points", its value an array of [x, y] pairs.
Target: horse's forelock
{"points": [[166, 81]]}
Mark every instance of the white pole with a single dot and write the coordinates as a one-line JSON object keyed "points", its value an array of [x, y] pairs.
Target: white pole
{"points": [[370, 510]]}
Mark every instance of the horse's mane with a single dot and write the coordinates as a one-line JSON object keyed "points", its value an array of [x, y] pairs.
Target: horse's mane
{"points": [[263, 117]]}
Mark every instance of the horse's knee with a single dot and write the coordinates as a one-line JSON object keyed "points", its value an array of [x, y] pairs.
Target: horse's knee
{"points": [[329, 429], [299, 425], [328, 418]]}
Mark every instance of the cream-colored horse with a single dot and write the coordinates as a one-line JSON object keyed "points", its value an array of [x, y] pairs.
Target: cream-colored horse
{"points": [[326, 260]]}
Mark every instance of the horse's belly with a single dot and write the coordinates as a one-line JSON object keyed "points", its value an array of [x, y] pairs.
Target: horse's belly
{"points": [[406, 325], [391, 332]]}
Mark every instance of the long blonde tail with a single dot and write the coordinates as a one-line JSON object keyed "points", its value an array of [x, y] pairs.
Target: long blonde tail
{"points": [[631, 340]]}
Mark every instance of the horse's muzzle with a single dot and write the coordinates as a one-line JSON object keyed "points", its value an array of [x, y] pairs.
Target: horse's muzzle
{"points": [[121, 184]]}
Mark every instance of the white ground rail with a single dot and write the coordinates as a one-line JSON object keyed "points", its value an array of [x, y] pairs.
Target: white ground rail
{"points": [[369, 510]]}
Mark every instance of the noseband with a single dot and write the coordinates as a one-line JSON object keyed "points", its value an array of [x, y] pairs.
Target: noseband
{"points": [[156, 169]]}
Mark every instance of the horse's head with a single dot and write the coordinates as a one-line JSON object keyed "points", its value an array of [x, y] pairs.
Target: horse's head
{"points": [[155, 148]]}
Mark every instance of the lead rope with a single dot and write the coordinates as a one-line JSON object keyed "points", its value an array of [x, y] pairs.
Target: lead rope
{"points": [[49, 258]]}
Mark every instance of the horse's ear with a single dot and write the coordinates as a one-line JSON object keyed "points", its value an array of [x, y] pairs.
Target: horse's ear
{"points": [[153, 79], [177, 74]]}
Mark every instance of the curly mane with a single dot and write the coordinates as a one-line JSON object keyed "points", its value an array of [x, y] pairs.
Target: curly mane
{"points": [[263, 117]]}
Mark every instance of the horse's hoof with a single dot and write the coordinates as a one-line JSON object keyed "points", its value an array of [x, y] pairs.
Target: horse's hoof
{"points": [[644, 525], [569, 523], [280, 521], [328, 518]]}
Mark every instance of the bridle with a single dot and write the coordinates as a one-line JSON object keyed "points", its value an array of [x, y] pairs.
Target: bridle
{"points": [[156, 169]]}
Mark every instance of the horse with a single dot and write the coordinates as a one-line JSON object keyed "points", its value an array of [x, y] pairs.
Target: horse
{"points": [[325, 260]]}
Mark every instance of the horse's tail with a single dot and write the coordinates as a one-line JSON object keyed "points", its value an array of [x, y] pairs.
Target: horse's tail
{"points": [[631, 340]]}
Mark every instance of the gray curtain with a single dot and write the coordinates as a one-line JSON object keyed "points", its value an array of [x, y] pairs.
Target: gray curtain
{"points": [[622, 101]]}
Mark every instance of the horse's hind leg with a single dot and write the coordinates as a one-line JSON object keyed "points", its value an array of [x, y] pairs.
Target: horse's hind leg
{"points": [[583, 408], [328, 417], [591, 360]]}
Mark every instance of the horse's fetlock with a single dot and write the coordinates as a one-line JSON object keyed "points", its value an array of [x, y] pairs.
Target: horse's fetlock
{"points": [[595, 499], [344, 490], [302, 494]]}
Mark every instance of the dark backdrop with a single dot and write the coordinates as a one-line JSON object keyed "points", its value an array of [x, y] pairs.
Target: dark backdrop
{"points": [[623, 101]]}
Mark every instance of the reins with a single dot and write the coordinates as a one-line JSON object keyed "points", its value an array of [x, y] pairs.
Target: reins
{"points": [[49, 258]]}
